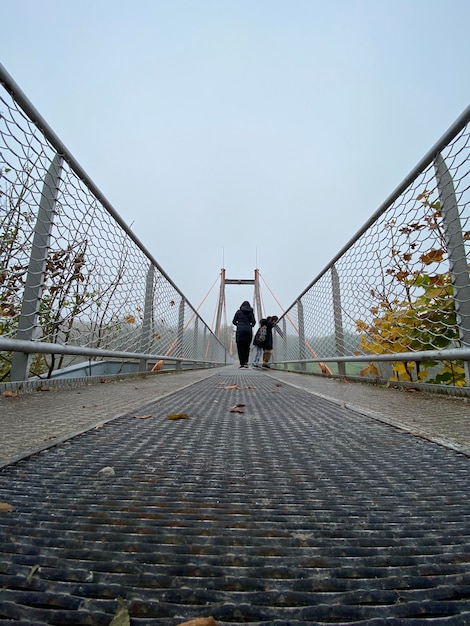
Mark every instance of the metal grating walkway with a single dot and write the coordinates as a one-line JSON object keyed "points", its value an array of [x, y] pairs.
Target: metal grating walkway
{"points": [[295, 511]]}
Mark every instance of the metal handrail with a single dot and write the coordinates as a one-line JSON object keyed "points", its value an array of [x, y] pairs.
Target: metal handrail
{"points": [[128, 306]]}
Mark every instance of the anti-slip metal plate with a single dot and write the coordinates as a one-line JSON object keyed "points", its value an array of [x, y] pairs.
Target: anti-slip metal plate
{"points": [[267, 505]]}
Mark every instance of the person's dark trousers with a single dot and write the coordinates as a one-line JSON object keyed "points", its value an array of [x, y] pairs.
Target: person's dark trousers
{"points": [[243, 338]]}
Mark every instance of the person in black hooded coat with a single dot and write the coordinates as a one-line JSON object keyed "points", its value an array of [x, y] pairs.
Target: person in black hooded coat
{"points": [[244, 320], [268, 342]]}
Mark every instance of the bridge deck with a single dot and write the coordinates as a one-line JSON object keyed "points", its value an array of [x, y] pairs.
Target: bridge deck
{"points": [[268, 505]]}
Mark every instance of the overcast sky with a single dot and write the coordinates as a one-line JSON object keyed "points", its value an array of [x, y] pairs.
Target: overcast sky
{"points": [[243, 133]]}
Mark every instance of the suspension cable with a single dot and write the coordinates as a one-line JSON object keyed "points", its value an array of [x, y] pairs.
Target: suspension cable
{"points": [[159, 364], [324, 368]]}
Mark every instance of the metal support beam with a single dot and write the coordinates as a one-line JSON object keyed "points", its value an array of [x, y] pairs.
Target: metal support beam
{"points": [[338, 317], [302, 344], [236, 281], [28, 320], [458, 263], [148, 317], [259, 309], [221, 304], [179, 346]]}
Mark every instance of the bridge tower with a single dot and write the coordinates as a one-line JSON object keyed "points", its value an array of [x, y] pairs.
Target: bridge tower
{"points": [[237, 281]]}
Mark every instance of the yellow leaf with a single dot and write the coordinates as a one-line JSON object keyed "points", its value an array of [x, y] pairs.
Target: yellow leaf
{"points": [[370, 370], [402, 370], [6, 508], [122, 615], [32, 571], [178, 416]]}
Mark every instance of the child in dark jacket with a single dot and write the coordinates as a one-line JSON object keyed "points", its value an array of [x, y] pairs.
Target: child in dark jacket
{"points": [[258, 342], [268, 342]]}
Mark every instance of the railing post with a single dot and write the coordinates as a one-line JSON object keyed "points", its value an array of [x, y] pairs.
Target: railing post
{"points": [[204, 342], [302, 350], [338, 317], [458, 264], [27, 323], [284, 340], [179, 345], [196, 338], [148, 316]]}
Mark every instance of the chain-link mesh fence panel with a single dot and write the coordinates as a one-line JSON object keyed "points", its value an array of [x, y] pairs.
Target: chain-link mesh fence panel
{"points": [[401, 287], [71, 273]]}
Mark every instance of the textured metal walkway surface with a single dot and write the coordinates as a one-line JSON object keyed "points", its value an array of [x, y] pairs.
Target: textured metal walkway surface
{"points": [[288, 510]]}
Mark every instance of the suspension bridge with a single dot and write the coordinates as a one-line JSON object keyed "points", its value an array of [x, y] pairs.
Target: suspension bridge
{"points": [[146, 480]]}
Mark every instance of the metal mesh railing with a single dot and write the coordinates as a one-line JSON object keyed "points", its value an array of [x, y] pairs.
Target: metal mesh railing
{"points": [[76, 284], [397, 297], [73, 277]]}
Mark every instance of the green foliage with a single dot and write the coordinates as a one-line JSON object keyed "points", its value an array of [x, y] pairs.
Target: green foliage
{"points": [[424, 318]]}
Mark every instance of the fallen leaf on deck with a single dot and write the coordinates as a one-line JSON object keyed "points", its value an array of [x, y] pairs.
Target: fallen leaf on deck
{"points": [[122, 615], [230, 387], [143, 417], [5, 507], [178, 416], [236, 411], [32, 571], [10, 394]]}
